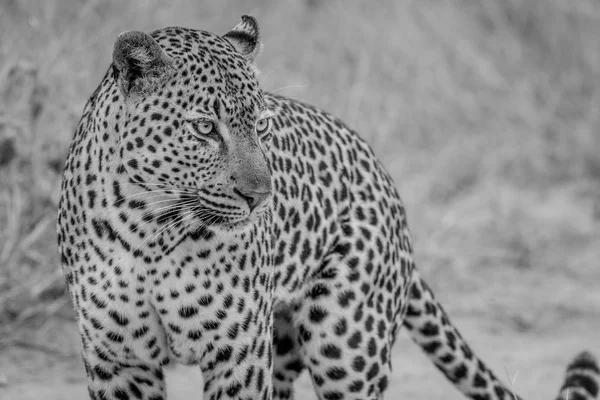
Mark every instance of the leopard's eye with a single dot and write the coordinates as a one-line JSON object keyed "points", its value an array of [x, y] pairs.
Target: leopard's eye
{"points": [[263, 126], [203, 128]]}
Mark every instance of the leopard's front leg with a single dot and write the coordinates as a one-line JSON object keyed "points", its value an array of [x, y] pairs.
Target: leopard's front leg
{"points": [[239, 371], [112, 380]]}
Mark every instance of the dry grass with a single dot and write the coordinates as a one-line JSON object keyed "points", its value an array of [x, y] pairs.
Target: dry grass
{"points": [[486, 113]]}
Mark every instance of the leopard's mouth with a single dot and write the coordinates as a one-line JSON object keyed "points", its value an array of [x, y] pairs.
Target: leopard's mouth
{"points": [[190, 213], [208, 218], [239, 224], [200, 213]]}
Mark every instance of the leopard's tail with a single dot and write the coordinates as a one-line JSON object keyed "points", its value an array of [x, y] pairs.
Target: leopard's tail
{"points": [[582, 379], [429, 326]]}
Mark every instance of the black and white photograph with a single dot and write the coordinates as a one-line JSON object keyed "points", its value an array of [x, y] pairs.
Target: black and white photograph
{"points": [[299, 199]]}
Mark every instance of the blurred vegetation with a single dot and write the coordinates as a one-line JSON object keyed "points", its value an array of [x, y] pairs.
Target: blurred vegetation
{"points": [[486, 113]]}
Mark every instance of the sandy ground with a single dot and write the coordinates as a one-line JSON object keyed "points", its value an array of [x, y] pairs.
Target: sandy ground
{"points": [[537, 359]]}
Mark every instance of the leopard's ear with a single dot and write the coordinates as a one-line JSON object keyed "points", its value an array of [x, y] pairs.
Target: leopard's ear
{"points": [[140, 65], [245, 38]]}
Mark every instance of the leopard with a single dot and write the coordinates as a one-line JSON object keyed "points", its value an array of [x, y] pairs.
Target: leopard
{"points": [[206, 222]]}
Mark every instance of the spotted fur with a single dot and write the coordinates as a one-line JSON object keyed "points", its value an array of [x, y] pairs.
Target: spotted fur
{"points": [[205, 222], [582, 379]]}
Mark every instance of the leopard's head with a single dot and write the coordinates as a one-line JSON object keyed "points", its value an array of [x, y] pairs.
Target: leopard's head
{"points": [[195, 127]]}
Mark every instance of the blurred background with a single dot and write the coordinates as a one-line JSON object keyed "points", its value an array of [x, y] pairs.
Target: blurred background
{"points": [[487, 115]]}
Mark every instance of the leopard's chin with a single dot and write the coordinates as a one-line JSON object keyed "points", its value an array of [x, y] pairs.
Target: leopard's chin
{"points": [[224, 224], [240, 225], [221, 229]]}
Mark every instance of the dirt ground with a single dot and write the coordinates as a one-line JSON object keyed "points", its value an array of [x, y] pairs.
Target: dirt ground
{"points": [[535, 360]]}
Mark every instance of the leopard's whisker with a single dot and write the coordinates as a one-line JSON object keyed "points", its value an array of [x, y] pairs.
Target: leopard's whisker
{"points": [[146, 204], [166, 210], [162, 230], [159, 190], [162, 210], [287, 87], [180, 188]]}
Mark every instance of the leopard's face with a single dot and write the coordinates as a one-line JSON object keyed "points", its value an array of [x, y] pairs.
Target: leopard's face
{"points": [[198, 143]]}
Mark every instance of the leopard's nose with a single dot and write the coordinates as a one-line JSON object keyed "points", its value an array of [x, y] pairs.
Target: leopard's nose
{"points": [[253, 198]]}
